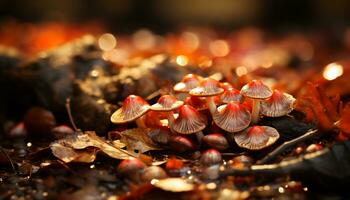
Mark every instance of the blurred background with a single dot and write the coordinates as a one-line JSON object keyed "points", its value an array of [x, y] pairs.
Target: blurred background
{"points": [[124, 16]]}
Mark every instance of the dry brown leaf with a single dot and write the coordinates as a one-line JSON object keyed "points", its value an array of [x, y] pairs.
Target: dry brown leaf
{"points": [[68, 154], [66, 148], [138, 139]]}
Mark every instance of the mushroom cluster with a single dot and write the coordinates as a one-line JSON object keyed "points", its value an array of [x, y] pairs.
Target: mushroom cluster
{"points": [[236, 112]]}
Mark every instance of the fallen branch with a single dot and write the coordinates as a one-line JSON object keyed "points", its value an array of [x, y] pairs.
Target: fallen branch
{"points": [[286, 145]]}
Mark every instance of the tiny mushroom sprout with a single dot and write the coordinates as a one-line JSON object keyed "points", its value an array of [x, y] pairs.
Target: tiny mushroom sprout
{"points": [[256, 90], [231, 94], [131, 168], [216, 140], [211, 157], [189, 121], [278, 104], [232, 117], [167, 103], [181, 144], [208, 88], [133, 108], [256, 137], [187, 83]]}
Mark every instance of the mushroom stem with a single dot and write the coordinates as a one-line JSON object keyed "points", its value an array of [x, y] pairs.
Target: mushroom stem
{"points": [[211, 104], [255, 110], [199, 136], [141, 122], [171, 120]]}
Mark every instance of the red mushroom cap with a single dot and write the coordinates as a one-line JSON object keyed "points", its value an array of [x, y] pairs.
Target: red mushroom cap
{"points": [[211, 157], [256, 89], [278, 104], [187, 83], [129, 166], [181, 144], [208, 87], [231, 94], [232, 117], [166, 103], [189, 120], [133, 108], [216, 140], [256, 137]]}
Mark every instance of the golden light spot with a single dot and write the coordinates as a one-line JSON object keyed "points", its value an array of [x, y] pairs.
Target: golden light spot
{"points": [[107, 42], [219, 48], [241, 70], [332, 71], [144, 39], [190, 41], [211, 186], [116, 55], [181, 60]]}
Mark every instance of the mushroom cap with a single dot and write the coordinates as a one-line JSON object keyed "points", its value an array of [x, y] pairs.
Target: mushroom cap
{"points": [[216, 140], [133, 108], [130, 165], [199, 103], [211, 157], [189, 120], [256, 89], [207, 87], [256, 137], [278, 104], [231, 94], [232, 117], [181, 144], [187, 83], [166, 103]]}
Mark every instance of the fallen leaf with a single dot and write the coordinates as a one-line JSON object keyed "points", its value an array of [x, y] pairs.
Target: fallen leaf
{"points": [[68, 154], [138, 139], [67, 148]]}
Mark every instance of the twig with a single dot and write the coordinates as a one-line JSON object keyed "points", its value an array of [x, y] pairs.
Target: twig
{"points": [[273, 155], [8, 158], [69, 111]]}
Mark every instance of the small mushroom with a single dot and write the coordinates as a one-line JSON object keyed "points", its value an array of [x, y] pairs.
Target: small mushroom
{"points": [[232, 117], [131, 168], [62, 131], [256, 137], [167, 103], [278, 104], [153, 172], [231, 94], [256, 90], [208, 88], [211, 157], [133, 108], [189, 121], [181, 144], [199, 103], [187, 83], [216, 140]]}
